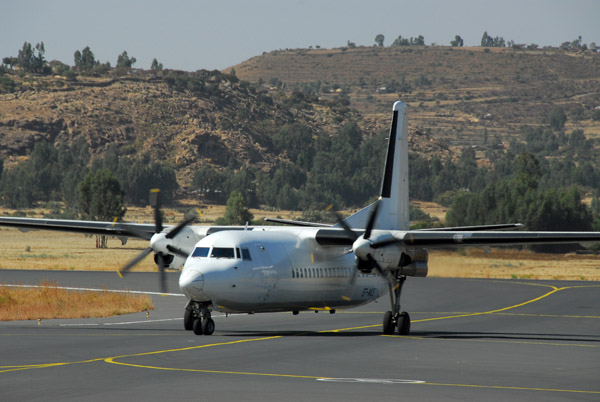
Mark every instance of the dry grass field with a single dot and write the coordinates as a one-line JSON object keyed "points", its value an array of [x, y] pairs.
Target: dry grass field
{"points": [[513, 264], [50, 302]]}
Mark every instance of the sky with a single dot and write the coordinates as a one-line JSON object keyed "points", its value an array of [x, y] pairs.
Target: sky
{"points": [[191, 35]]}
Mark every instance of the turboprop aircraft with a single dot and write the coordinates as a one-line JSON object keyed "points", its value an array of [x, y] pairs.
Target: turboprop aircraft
{"points": [[304, 266]]}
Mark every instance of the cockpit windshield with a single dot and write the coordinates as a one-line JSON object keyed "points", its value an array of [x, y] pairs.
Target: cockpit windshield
{"points": [[222, 252], [201, 252]]}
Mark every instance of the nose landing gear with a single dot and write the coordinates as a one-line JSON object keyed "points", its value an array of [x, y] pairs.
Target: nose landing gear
{"points": [[197, 318]]}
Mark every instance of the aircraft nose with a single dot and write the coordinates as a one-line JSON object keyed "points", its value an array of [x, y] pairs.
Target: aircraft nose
{"points": [[191, 283]]}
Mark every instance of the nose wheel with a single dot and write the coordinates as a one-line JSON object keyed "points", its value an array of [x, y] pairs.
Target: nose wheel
{"points": [[197, 318]]}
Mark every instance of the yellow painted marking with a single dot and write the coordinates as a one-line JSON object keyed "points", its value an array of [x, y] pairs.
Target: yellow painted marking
{"points": [[120, 274], [111, 360], [155, 190], [421, 338], [346, 298], [326, 308]]}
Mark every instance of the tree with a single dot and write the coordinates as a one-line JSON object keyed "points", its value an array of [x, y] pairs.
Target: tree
{"points": [[458, 41], [156, 66], [101, 198], [379, 38], [488, 41], [124, 61], [85, 60], [11, 61], [25, 57], [557, 118], [236, 212], [31, 62]]}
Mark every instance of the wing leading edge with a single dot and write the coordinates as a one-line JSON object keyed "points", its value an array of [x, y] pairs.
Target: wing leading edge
{"points": [[432, 239], [85, 227]]}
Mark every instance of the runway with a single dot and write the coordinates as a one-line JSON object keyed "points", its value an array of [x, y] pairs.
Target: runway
{"points": [[492, 340]]}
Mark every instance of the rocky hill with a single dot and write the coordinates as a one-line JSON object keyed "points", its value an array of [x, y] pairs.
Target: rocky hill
{"points": [[456, 97], [454, 94], [185, 119]]}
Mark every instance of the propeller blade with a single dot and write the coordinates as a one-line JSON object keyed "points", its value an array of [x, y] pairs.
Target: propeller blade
{"points": [[349, 232], [155, 203], [163, 274], [354, 276], [177, 251], [175, 231], [372, 219], [134, 231], [380, 270], [136, 260]]}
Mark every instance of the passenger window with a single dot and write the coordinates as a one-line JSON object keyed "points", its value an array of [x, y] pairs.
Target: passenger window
{"points": [[200, 252], [237, 253], [246, 255]]}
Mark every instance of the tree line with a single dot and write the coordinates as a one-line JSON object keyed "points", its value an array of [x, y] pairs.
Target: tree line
{"points": [[522, 185], [486, 41], [96, 190], [32, 59]]}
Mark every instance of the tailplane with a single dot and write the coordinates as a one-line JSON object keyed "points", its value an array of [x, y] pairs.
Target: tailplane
{"points": [[394, 202]]}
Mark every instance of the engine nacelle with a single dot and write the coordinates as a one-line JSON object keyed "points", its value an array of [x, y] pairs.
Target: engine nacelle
{"points": [[171, 261], [414, 263]]}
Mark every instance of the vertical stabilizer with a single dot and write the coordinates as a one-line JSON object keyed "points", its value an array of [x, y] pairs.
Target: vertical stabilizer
{"points": [[394, 207]]}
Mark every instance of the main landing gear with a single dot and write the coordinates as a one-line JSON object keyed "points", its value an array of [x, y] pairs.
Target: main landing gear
{"points": [[396, 319], [197, 318]]}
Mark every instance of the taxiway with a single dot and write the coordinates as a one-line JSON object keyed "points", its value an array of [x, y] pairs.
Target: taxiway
{"points": [[471, 339]]}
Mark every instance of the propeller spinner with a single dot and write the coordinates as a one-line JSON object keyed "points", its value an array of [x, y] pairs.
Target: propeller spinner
{"points": [[160, 243], [362, 246]]}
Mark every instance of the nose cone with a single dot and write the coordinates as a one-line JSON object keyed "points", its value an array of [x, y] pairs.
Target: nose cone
{"points": [[191, 283]]}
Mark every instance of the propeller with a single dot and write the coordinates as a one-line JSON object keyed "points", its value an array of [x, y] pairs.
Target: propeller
{"points": [[160, 258], [367, 263]]}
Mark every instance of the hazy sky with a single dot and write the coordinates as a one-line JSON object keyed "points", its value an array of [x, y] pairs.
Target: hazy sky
{"points": [[191, 35]]}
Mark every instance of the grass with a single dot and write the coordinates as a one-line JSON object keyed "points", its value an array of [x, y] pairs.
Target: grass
{"points": [[50, 302], [513, 264]]}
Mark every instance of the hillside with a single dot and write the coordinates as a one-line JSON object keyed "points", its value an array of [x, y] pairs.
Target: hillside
{"points": [[454, 94], [456, 97], [187, 120]]}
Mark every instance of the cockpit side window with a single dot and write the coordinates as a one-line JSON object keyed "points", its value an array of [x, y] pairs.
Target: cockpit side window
{"points": [[222, 252], [246, 254], [200, 252]]}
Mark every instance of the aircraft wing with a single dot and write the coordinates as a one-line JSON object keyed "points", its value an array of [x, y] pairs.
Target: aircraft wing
{"points": [[121, 230], [433, 239]]}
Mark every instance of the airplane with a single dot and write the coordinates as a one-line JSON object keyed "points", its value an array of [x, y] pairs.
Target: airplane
{"points": [[304, 266]]}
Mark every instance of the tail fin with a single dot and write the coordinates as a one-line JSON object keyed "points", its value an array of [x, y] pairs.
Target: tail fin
{"points": [[394, 207]]}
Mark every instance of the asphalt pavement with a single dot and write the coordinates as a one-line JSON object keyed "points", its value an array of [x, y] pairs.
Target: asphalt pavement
{"points": [[471, 339]]}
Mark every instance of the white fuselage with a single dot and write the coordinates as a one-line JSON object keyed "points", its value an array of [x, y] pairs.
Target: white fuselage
{"points": [[265, 271]]}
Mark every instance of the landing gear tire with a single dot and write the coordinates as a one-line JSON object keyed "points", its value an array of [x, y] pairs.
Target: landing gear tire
{"points": [[197, 326], [188, 319], [403, 323], [388, 323], [208, 326]]}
